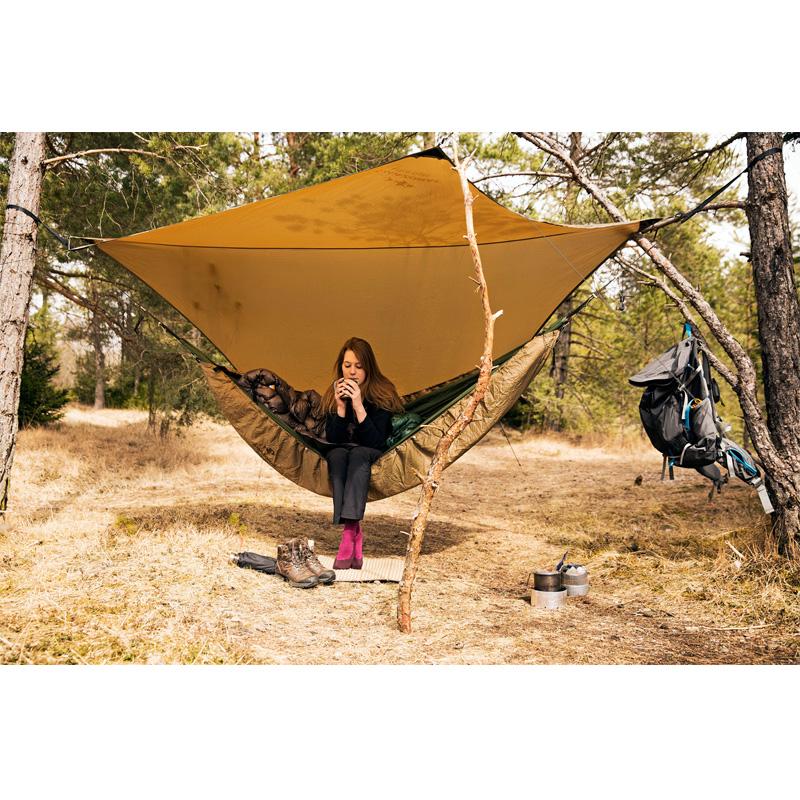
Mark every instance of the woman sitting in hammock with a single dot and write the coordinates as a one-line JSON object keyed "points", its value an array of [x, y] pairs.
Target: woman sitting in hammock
{"points": [[359, 405]]}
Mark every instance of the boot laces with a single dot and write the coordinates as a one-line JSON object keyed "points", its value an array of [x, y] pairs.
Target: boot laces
{"points": [[311, 558], [297, 555]]}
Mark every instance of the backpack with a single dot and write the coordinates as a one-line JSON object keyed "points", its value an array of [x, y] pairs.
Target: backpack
{"points": [[678, 413]]}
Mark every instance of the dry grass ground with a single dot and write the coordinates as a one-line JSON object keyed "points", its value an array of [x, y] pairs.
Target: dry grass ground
{"points": [[116, 550]]}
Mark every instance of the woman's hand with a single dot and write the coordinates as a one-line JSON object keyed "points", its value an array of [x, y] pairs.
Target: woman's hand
{"points": [[339, 396], [352, 390]]}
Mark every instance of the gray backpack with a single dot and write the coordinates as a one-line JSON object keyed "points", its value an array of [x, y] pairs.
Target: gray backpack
{"points": [[678, 412]]}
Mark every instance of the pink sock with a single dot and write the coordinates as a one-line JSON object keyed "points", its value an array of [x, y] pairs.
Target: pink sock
{"points": [[358, 554], [346, 545]]}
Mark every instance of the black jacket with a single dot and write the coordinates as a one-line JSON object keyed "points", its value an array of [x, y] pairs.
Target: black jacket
{"points": [[372, 432]]}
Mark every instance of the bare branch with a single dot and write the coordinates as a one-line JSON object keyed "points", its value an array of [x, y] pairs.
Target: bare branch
{"points": [[65, 291], [705, 155], [707, 152], [738, 204], [84, 276], [729, 377], [523, 175], [72, 156]]}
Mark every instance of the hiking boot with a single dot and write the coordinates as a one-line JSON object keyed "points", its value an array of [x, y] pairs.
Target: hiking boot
{"points": [[292, 568], [308, 555]]}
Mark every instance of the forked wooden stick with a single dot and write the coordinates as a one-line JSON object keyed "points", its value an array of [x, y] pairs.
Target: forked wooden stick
{"points": [[432, 480]]}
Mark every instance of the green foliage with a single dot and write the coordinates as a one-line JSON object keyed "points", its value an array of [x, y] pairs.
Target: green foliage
{"points": [[84, 381], [235, 522], [173, 388], [40, 401], [647, 175], [174, 176], [303, 159]]}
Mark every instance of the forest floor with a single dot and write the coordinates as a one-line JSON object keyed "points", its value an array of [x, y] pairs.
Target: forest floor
{"points": [[116, 549]]}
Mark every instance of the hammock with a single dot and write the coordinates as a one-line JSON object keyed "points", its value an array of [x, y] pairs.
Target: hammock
{"points": [[379, 254], [402, 466]]}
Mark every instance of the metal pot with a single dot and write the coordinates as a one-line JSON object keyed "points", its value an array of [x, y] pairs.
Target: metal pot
{"points": [[545, 581], [576, 580]]}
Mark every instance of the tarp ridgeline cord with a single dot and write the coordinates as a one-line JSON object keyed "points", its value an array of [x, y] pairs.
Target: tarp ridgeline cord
{"points": [[57, 236]]}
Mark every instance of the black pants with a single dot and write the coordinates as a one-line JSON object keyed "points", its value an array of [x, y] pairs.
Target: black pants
{"points": [[349, 469]]}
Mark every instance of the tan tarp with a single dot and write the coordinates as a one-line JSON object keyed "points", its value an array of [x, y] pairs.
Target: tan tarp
{"points": [[400, 468], [282, 282]]}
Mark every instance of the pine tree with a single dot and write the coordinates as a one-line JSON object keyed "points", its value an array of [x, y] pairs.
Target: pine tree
{"points": [[40, 401]]}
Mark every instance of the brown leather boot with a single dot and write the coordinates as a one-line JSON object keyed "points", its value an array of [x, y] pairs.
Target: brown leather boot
{"points": [[325, 576], [292, 568]]}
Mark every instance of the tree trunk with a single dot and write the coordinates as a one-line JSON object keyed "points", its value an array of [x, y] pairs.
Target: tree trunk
{"points": [[99, 364], [151, 399], [292, 145], [778, 324], [559, 370], [17, 255]]}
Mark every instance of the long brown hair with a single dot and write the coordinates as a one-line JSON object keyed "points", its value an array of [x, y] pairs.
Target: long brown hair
{"points": [[377, 388]]}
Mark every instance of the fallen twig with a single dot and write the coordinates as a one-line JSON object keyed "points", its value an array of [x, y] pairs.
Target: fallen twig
{"points": [[735, 550], [744, 628]]}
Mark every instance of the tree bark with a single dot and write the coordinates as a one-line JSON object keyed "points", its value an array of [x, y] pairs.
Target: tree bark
{"points": [[99, 364], [559, 370], [778, 321], [17, 256], [433, 479], [293, 143], [151, 399]]}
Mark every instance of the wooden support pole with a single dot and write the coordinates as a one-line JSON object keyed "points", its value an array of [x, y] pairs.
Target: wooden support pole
{"points": [[432, 480]]}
